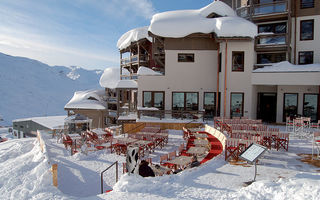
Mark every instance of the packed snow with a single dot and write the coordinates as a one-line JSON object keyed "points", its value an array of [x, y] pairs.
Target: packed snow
{"points": [[25, 174], [127, 84], [181, 23], [90, 99], [133, 35], [29, 88], [51, 122], [145, 71], [285, 66]]}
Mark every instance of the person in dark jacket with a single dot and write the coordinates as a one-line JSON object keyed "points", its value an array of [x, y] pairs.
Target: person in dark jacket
{"points": [[145, 170], [195, 162]]}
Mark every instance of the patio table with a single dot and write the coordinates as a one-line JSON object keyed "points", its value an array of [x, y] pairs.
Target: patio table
{"points": [[181, 161], [196, 151]]}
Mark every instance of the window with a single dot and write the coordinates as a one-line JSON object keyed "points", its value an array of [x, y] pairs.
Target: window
{"points": [[153, 99], [236, 107], [185, 101], [273, 28], [307, 4], [290, 103], [306, 29], [265, 58], [238, 61], [305, 57], [310, 106], [185, 57], [209, 104]]}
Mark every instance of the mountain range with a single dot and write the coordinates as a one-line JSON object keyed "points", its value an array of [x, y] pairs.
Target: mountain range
{"points": [[29, 88]]}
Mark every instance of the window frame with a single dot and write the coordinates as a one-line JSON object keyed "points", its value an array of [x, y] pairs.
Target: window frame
{"points": [[186, 55], [243, 60], [184, 100], [302, 5], [152, 99], [308, 20], [303, 105], [242, 106], [284, 103], [299, 60]]}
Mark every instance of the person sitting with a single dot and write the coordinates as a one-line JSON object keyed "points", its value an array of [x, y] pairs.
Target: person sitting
{"points": [[195, 162], [145, 170]]}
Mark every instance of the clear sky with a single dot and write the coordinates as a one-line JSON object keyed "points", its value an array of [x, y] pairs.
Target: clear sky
{"points": [[76, 32]]}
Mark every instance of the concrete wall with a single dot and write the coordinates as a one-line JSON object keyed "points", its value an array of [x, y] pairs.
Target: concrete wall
{"points": [[198, 76], [293, 89], [238, 81], [307, 45]]}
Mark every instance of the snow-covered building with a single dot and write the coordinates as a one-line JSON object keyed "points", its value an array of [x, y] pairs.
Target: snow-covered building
{"points": [[214, 61], [29, 126], [91, 103]]}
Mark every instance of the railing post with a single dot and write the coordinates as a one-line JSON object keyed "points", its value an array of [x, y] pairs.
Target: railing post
{"points": [[117, 166]]}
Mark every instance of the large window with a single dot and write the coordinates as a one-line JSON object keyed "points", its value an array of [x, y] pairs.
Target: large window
{"points": [[265, 58], [307, 4], [310, 106], [153, 99], [236, 107], [306, 29], [290, 103], [305, 57], [185, 101], [209, 104], [273, 28], [185, 57], [238, 61]]}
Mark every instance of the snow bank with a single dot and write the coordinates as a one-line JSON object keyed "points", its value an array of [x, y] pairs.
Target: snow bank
{"points": [[24, 172], [285, 66], [51, 122], [142, 71], [182, 23], [90, 99], [127, 84], [110, 78], [133, 35]]}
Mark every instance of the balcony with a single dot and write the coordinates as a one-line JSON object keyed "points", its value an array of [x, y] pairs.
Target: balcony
{"points": [[133, 60], [257, 11], [271, 41], [132, 76]]}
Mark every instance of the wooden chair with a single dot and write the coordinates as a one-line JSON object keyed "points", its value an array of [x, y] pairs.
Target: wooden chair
{"points": [[316, 144], [172, 155], [282, 141], [231, 149]]}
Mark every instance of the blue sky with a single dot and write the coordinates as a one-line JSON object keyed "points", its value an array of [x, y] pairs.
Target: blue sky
{"points": [[76, 32]]}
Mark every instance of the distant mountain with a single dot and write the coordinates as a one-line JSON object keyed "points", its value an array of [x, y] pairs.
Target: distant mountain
{"points": [[29, 88]]}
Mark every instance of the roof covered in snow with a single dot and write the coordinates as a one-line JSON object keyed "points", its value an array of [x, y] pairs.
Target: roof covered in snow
{"points": [[177, 24], [51, 122], [147, 71], [127, 84], [285, 66], [90, 99], [110, 78], [133, 35]]}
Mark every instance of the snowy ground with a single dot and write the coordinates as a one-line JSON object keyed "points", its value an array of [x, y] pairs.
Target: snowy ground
{"points": [[24, 174]]}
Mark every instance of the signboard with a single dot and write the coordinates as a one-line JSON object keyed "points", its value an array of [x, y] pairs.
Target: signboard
{"points": [[253, 152]]}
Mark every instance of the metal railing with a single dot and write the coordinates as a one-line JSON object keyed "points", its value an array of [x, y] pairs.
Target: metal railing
{"points": [[134, 59], [101, 175], [263, 9], [173, 114]]}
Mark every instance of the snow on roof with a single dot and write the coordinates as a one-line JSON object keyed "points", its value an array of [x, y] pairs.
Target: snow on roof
{"points": [[285, 66], [110, 77], [147, 71], [177, 24], [127, 84], [51, 122], [90, 99], [133, 35]]}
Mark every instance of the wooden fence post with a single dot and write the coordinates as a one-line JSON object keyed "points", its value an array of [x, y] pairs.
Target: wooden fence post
{"points": [[55, 174]]}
